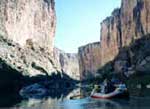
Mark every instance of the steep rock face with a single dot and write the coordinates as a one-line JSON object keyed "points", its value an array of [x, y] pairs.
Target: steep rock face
{"points": [[27, 29], [89, 60], [26, 21], [126, 24], [135, 17], [110, 37], [68, 63]]}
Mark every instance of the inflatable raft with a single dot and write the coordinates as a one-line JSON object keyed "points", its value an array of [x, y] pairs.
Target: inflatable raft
{"points": [[120, 92]]}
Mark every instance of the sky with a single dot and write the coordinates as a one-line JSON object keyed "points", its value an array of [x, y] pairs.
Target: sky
{"points": [[78, 22]]}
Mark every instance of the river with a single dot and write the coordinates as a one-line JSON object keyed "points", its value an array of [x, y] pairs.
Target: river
{"points": [[79, 102]]}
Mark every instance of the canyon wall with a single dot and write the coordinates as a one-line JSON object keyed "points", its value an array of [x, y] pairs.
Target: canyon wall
{"points": [[110, 37], [89, 60], [123, 27], [68, 63], [28, 21], [27, 29], [135, 18]]}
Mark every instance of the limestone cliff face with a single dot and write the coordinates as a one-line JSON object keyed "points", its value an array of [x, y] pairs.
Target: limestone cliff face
{"points": [[26, 21], [135, 18], [111, 35], [67, 63], [89, 60], [27, 29], [126, 24]]}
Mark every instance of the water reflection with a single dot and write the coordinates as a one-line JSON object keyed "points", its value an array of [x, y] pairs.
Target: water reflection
{"points": [[86, 103], [76, 99], [89, 103], [64, 102], [54, 101], [11, 99]]}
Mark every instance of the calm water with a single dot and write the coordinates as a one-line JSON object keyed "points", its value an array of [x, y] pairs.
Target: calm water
{"points": [[64, 102]]}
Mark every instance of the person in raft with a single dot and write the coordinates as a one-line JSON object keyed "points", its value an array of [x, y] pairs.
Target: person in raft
{"points": [[107, 86]]}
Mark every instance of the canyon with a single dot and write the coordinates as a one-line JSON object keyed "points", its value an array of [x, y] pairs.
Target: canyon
{"points": [[27, 42], [31, 67]]}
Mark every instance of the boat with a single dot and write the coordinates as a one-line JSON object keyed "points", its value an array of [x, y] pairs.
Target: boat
{"points": [[120, 92]]}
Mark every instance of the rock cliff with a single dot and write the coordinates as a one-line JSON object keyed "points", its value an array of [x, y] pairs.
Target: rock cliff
{"points": [[124, 26], [111, 35], [27, 29], [89, 60], [68, 63], [28, 21], [135, 18]]}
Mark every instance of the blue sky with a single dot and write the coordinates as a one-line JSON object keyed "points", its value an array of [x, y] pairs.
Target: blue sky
{"points": [[78, 21]]}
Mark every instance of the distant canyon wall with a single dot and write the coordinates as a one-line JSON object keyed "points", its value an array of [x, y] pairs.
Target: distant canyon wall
{"points": [[68, 63], [89, 60]]}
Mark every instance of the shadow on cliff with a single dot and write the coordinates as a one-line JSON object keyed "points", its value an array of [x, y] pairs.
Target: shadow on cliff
{"points": [[11, 81], [132, 61]]}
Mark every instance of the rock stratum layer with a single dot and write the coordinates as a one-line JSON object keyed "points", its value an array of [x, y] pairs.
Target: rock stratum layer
{"points": [[89, 60], [122, 28]]}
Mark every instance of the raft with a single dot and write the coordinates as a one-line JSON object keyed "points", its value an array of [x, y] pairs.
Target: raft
{"points": [[120, 92]]}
